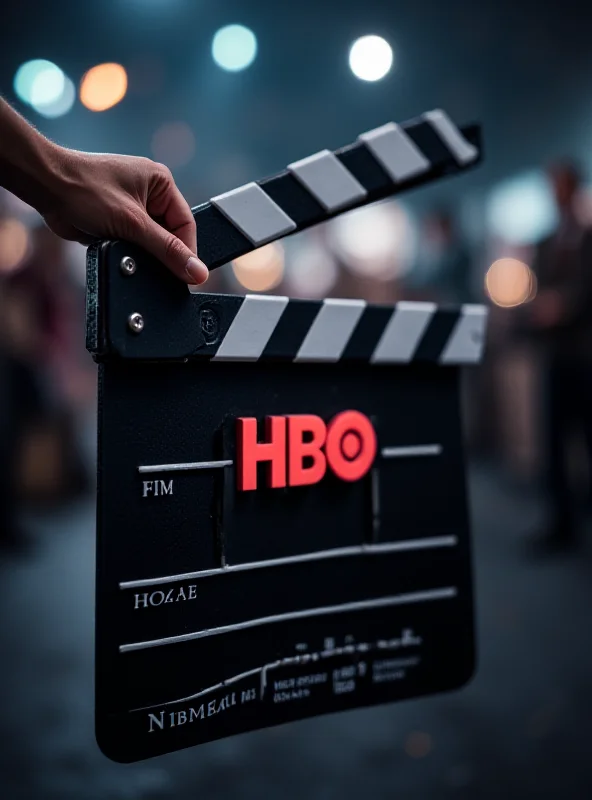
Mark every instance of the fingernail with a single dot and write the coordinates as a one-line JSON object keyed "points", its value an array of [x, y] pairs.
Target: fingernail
{"points": [[196, 270]]}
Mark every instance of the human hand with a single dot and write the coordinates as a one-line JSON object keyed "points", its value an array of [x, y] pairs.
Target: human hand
{"points": [[97, 195], [89, 196]]}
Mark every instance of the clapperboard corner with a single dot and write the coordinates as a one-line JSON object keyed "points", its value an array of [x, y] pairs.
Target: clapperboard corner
{"points": [[209, 623]]}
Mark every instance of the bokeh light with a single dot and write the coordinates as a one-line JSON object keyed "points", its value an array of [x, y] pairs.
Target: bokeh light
{"points": [[234, 47], [375, 241], [312, 271], [31, 72], [370, 58], [14, 244], [522, 210], [173, 144], [261, 270], [61, 105], [510, 282], [418, 744], [103, 86], [47, 86]]}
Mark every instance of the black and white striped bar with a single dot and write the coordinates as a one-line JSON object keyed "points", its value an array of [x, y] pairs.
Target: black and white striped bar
{"points": [[264, 327], [381, 163]]}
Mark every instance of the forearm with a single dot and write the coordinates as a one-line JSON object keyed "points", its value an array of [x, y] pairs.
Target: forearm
{"points": [[90, 196], [29, 163]]}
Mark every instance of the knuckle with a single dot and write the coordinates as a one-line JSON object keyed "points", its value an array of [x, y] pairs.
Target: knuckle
{"points": [[163, 171], [173, 248], [132, 219]]}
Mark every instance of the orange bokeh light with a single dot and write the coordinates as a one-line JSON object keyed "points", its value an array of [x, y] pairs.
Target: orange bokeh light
{"points": [[510, 282], [14, 244], [103, 86]]}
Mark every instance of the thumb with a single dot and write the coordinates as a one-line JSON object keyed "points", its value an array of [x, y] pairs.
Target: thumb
{"points": [[171, 251]]}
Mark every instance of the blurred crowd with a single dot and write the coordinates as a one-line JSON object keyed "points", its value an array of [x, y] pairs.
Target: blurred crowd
{"points": [[47, 380], [527, 408]]}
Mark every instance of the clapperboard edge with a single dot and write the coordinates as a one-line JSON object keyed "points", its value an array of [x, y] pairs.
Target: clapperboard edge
{"points": [[381, 163]]}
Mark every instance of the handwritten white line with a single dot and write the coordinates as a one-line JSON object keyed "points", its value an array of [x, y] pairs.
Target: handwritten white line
{"points": [[359, 605], [189, 465], [338, 552], [361, 647], [415, 450]]}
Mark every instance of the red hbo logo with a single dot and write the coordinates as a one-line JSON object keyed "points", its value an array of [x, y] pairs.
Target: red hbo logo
{"points": [[347, 444]]}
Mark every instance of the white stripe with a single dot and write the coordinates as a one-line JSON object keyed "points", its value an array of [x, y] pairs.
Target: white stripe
{"points": [[251, 329], [396, 152], [445, 593], [254, 213], [467, 340], [331, 330], [463, 151], [185, 466], [403, 332], [413, 450], [326, 178], [403, 546]]}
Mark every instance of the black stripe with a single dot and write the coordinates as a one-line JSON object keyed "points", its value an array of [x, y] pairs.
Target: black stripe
{"points": [[430, 144], [367, 333], [363, 166], [436, 335], [290, 331], [294, 199], [218, 241]]}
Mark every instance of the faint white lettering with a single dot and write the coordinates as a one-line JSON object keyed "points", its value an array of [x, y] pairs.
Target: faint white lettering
{"points": [[141, 598], [154, 720], [154, 601], [157, 598], [248, 695]]}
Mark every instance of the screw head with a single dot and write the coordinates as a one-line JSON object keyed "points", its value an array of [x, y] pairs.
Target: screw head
{"points": [[135, 322], [127, 265]]}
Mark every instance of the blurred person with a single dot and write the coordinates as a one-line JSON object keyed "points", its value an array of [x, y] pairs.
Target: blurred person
{"points": [[18, 404], [560, 320], [44, 331], [82, 197]]}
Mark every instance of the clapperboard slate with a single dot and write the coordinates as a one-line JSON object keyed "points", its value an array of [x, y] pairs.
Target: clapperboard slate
{"points": [[282, 512]]}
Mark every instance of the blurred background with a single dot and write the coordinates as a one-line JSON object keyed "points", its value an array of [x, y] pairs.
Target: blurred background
{"points": [[226, 93]]}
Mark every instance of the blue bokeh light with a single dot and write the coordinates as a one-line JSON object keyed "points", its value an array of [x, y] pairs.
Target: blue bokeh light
{"points": [[234, 47], [38, 77], [521, 210]]}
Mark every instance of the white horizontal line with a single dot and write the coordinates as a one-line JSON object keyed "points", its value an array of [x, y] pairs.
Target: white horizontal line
{"points": [[337, 552], [359, 605], [189, 465], [414, 450]]}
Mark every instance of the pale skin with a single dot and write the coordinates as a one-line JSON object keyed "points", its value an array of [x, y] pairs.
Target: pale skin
{"points": [[88, 196]]}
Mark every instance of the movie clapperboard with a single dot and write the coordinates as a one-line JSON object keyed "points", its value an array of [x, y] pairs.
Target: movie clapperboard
{"points": [[282, 526]]}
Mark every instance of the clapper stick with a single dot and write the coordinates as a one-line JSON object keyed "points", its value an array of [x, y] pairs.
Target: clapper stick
{"points": [[383, 162]]}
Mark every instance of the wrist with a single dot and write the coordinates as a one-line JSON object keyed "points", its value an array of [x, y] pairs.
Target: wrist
{"points": [[30, 165], [46, 174]]}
